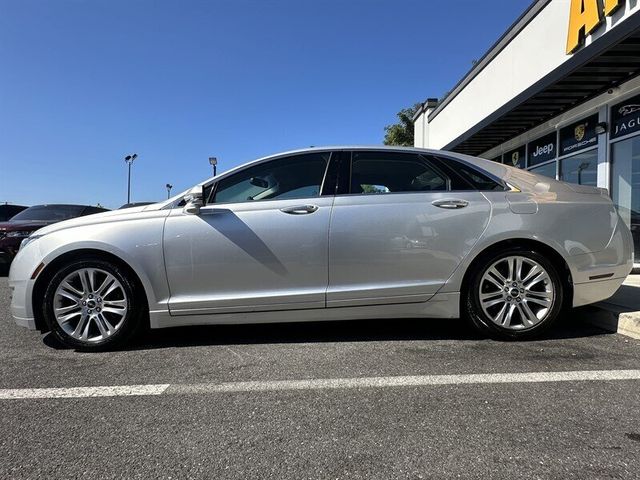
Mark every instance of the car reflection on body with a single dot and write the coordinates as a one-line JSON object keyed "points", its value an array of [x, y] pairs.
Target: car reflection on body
{"points": [[311, 235]]}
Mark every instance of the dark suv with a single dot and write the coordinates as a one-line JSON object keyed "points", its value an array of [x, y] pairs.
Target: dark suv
{"points": [[31, 219], [7, 211]]}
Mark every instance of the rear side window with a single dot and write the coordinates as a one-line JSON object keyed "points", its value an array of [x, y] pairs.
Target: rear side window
{"points": [[469, 178], [390, 172]]}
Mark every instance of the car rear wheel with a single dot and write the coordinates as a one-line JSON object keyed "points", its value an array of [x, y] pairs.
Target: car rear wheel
{"points": [[92, 305], [515, 294]]}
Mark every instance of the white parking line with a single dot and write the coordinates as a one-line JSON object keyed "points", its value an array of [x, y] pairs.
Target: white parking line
{"points": [[320, 383], [82, 392]]}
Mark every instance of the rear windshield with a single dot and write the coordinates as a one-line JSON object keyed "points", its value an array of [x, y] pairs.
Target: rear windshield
{"points": [[50, 212]]}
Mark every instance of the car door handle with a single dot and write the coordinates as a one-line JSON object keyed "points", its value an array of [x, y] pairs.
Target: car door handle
{"points": [[300, 209], [450, 203]]}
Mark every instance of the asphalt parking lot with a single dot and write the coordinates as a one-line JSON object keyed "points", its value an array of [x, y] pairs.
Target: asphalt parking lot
{"points": [[322, 400]]}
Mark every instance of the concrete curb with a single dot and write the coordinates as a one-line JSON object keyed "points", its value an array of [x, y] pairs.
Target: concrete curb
{"points": [[612, 318]]}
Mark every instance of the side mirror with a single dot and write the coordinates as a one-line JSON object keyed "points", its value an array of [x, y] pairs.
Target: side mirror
{"points": [[195, 200]]}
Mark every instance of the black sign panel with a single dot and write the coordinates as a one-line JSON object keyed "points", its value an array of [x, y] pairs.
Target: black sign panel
{"points": [[579, 135], [625, 117], [515, 157], [497, 159], [542, 150]]}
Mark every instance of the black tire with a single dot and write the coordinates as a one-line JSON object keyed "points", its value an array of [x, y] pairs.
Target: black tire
{"points": [[478, 320], [132, 324]]}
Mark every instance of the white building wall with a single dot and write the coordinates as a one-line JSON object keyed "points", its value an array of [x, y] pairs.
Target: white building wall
{"points": [[535, 52]]}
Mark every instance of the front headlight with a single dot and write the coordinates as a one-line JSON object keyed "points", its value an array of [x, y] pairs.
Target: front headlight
{"points": [[18, 233], [28, 240]]}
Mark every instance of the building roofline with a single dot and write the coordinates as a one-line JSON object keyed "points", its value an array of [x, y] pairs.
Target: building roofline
{"points": [[527, 16], [579, 59]]}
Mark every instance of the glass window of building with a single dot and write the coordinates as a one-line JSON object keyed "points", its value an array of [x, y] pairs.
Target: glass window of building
{"points": [[581, 169], [626, 186], [548, 170]]}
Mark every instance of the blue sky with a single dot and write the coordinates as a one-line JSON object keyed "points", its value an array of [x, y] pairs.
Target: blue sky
{"points": [[84, 82]]}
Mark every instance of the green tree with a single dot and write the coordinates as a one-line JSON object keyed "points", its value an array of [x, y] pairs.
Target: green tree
{"points": [[401, 133]]}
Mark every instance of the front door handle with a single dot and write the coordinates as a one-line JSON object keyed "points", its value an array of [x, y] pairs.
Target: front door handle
{"points": [[300, 209], [451, 204]]}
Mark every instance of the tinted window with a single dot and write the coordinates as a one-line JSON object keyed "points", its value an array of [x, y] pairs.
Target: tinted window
{"points": [[50, 212], [389, 172], [465, 177], [92, 210], [298, 176]]}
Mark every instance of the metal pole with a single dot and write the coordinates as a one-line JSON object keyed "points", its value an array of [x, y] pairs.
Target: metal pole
{"points": [[129, 159], [214, 170], [129, 184]]}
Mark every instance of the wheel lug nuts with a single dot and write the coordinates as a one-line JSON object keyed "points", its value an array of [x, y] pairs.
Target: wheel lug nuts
{"points": [[518, 299], [84, 302], [509, 299], [522, 290], [98, 309], [89, 311], [99, 300], [90, 295], [514, 284]]}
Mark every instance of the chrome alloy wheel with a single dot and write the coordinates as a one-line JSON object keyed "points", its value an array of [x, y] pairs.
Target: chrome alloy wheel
{"points": [[90, 305], [516, 292]]}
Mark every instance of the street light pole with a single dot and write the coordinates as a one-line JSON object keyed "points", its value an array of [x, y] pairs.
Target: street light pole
{"points": [[169, 187], [213, 161], [129, 159]]}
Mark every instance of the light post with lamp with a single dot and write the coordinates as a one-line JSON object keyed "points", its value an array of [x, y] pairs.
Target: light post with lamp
{"points": [[169, 187], [129, 159]]}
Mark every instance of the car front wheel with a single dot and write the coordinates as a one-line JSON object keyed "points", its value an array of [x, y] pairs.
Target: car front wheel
{"points": [[91, 305], [515, 294]]}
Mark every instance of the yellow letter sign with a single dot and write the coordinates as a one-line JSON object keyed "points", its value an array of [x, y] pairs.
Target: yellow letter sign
{"points": [[584, 18], [611, 6]]}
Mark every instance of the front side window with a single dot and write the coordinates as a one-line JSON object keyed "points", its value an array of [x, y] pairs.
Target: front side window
{"points": [[390, 172], [298, 176]]}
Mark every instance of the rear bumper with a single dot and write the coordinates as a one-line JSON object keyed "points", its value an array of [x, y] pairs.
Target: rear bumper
{"points": [[592, 292], [596, 276]]}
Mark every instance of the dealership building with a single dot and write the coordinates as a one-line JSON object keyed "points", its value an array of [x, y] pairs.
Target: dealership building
{"points": [[557, 94]]}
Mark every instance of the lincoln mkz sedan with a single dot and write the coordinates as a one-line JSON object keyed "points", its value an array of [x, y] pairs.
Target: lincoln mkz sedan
{"points": [[329, 234]]}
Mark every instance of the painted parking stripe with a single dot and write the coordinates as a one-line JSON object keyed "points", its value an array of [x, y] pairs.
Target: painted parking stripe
{"points": [[406, 381], [83, 392], [319, 384]]}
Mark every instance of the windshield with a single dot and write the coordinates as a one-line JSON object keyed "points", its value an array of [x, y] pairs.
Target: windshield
{"points": [[50, 212]]}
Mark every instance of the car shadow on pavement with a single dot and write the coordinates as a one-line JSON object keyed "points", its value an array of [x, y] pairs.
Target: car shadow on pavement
{"points": [[572, 326]]}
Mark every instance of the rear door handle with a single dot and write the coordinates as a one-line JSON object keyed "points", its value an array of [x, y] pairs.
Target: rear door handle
{"points": [[300, 209], [451, 204]]}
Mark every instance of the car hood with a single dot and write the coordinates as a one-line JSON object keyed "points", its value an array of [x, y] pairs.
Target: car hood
{"points": [[112, 215]]}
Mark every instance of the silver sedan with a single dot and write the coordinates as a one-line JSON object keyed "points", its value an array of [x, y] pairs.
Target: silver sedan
{"points": [[329, 234]]}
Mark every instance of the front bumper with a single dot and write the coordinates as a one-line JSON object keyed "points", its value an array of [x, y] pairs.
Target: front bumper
{"points": [[21, 308]]}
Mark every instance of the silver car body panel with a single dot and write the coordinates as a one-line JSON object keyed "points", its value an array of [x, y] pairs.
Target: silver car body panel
{"points": [[357, 256], [399, 248]]}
